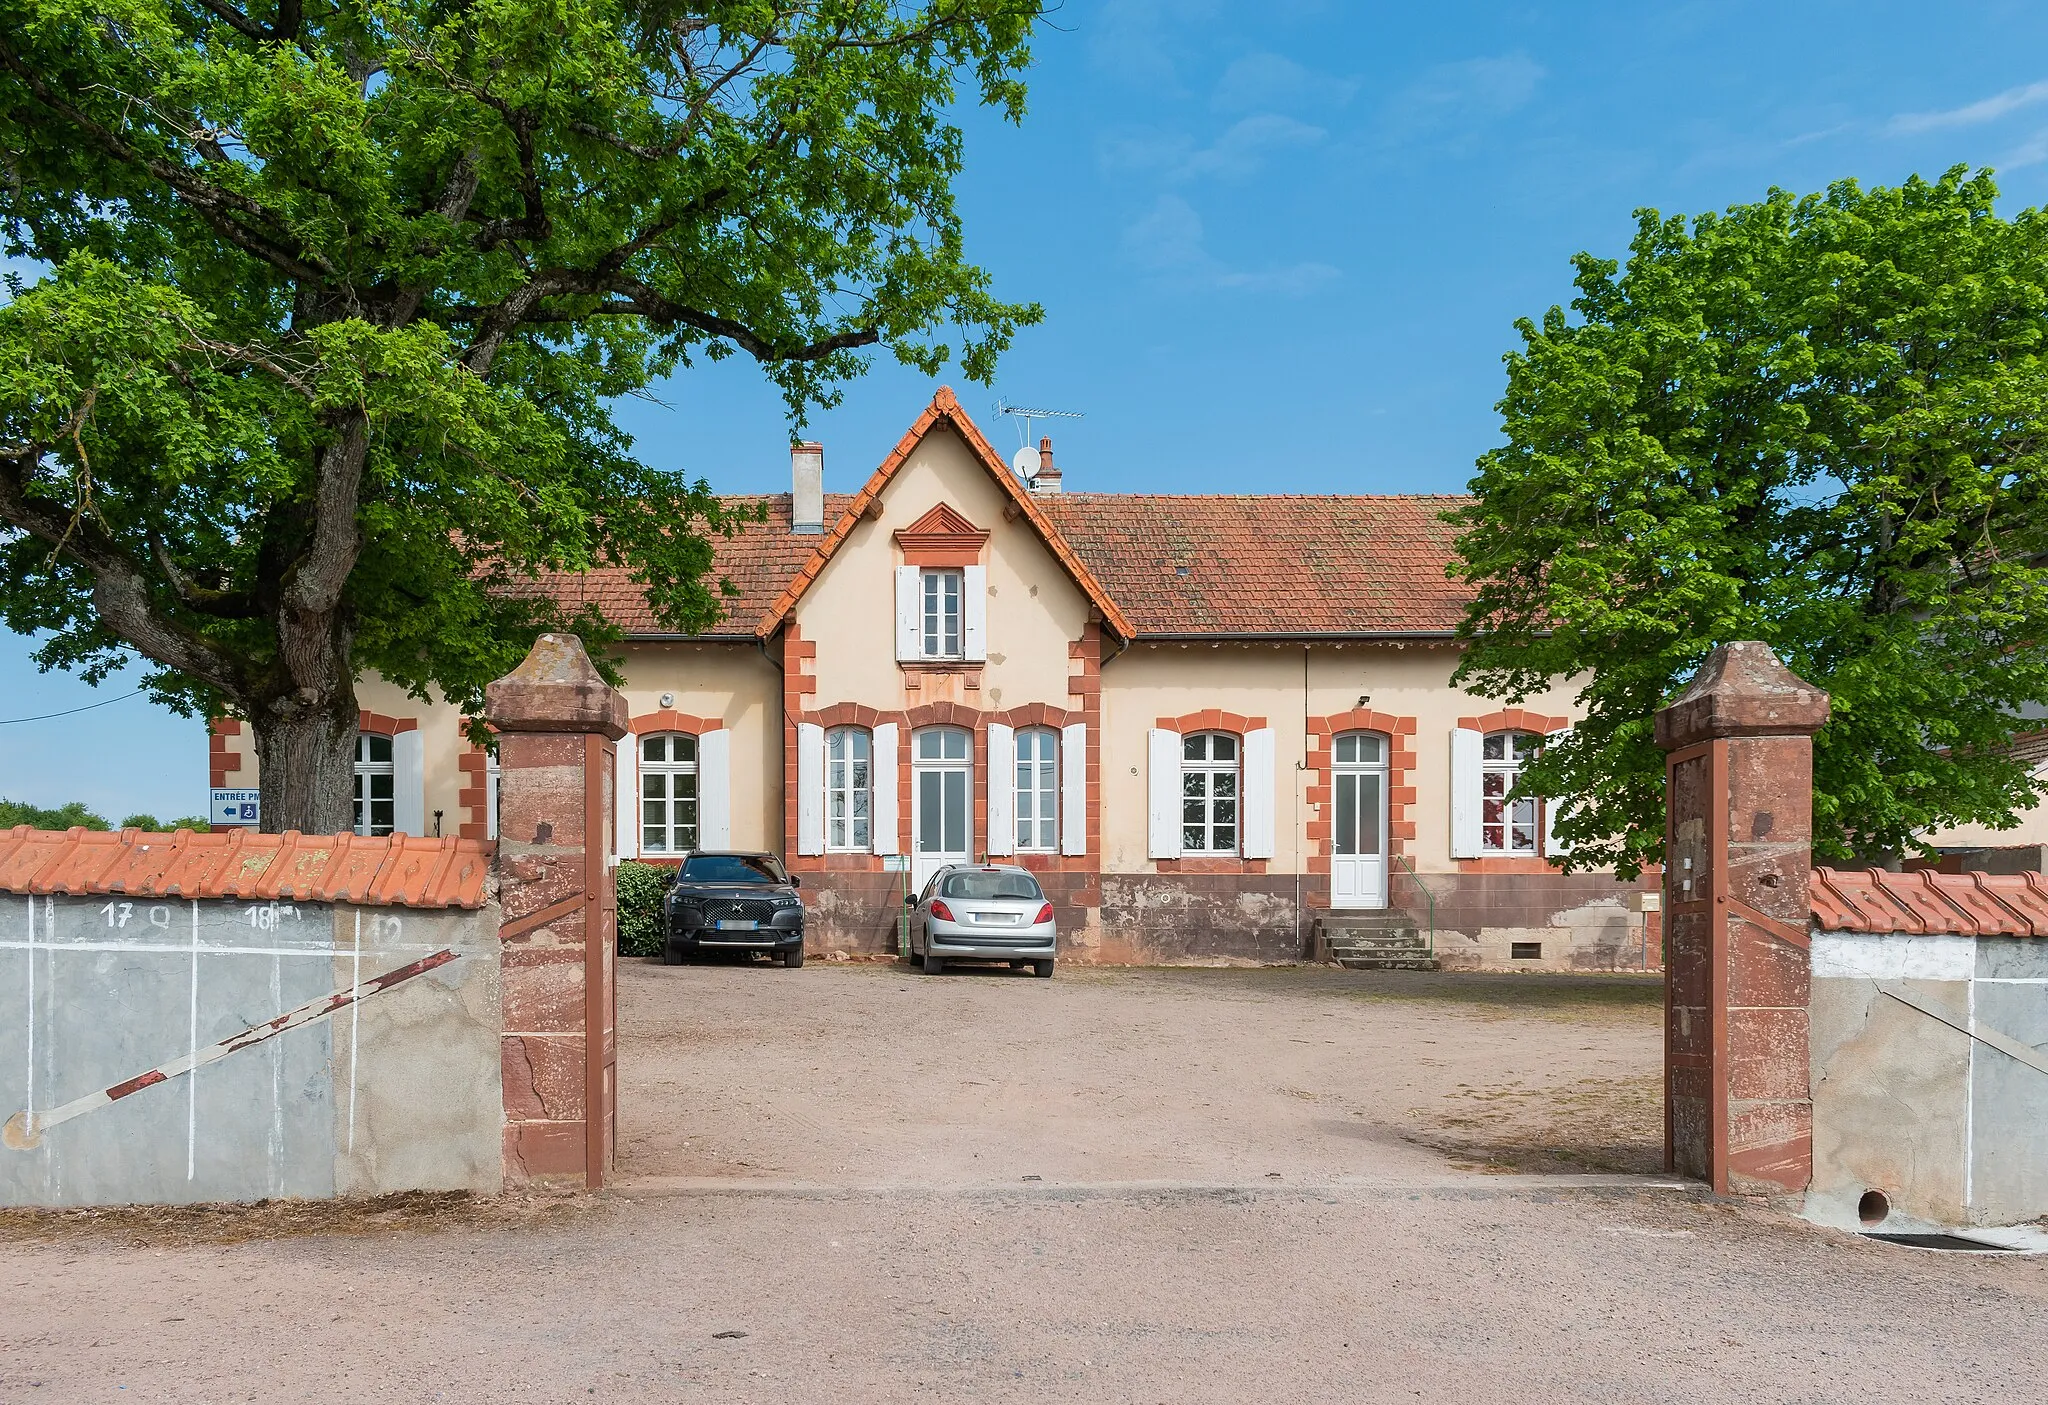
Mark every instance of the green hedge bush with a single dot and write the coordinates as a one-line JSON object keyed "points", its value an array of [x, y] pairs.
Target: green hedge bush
{"points": [[641, 888]]}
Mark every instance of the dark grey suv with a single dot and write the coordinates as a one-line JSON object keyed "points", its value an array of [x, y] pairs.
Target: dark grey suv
{"points": [[733, 902]]}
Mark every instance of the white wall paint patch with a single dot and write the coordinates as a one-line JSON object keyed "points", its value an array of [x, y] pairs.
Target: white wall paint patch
{"points": [[1893, 956]]}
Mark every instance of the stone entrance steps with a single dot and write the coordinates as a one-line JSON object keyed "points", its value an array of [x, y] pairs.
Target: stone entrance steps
{"points": [[1379, 941]]}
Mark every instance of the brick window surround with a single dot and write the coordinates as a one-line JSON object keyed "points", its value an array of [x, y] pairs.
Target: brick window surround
{"points": [[1322, 733], [1237, 724], [1511, 719], [1084, 691], [376, 724]]}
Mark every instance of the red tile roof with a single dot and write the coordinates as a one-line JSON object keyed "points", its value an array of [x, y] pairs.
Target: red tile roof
{"points": [[761, 560], [1253, 565], [1153, 564], [1926, 903], [397, 871]]}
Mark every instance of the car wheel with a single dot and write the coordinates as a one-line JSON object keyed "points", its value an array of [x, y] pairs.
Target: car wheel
{"points": [[670, 956], [1042, 969], [793, 959], [934, 965]]}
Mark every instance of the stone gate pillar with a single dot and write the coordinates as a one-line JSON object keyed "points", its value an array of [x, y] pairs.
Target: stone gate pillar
{"points": [[557, 720], [1738, 849]]}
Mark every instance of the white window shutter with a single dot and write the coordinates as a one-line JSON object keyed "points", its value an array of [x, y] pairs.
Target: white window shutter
{"points": [[1162, 791], [883, 821], [1074, 788], [1466, 745], [714, 790], [1552, 845], [810, 788], [974, 614], [1260, 783], [909, 616], [626, 806], [409, 782], [1002, 789], [491, 775]]}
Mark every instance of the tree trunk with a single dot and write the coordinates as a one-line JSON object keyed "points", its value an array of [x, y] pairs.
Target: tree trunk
{"points": [[307, 757]]}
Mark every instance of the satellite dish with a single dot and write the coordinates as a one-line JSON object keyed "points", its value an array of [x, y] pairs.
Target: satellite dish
{"points": [[1026, 462]]}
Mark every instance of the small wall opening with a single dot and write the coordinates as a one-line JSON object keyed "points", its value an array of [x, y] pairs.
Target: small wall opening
{"points": [[1525, 951], [1874, 1208]]}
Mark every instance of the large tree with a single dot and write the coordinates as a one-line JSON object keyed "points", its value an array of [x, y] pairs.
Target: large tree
{"points": [[1818, 422], [341, 292]]}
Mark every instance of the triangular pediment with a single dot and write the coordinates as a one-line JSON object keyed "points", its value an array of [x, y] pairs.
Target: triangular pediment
{"points": [[942, 523]]}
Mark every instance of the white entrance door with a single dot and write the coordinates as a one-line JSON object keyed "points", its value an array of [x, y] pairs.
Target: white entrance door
{"points": [[1358, 824], [941, 796]]}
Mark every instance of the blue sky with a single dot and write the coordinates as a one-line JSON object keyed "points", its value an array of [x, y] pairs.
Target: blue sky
{"points": [[1281, 247]]}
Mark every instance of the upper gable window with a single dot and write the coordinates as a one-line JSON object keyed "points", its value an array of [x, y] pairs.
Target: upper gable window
{"points": [[940, 595]]}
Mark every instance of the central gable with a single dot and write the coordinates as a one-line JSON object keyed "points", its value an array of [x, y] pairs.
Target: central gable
{"points": [[867, 506]]}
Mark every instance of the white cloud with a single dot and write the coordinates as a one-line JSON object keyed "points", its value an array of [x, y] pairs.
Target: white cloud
{"points": [[1971, 115], [1464, 94], [1168, 242], [1240, 152], [2031, 152], [1263, 80], [1143, 42]]}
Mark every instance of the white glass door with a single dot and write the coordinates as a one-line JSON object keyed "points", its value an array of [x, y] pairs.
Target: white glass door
{"points": [[941, 801], [1358, 822]]}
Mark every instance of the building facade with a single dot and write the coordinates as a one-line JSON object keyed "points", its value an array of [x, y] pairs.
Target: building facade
{"points": [[1204, 722]]}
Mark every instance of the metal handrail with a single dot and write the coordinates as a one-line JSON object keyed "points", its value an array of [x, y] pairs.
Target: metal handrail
{"points": [[1427, 896]]}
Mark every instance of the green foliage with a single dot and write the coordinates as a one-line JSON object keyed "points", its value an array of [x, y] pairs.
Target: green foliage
{"points": [[198, 823], [342, 295], [642, 886], [71, 816], [1817, 422]]}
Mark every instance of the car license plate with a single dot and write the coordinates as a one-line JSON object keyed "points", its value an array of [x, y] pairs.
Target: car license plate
{"points": [[1004, 918], [737, 924]]}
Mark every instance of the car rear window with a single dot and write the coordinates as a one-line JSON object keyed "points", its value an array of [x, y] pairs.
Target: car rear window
{"points": [[731, 868], [984, 884]]}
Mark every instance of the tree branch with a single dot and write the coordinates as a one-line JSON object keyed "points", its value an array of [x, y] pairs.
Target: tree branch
{"points": [[120, 588], [213, 204]]}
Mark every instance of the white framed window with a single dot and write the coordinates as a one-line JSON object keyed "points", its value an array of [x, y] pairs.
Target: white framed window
{"points": [[376, 786], [668, 793], [1506, 826], [849, 790], [1209, 793], [1038, 790], [939, 614]]}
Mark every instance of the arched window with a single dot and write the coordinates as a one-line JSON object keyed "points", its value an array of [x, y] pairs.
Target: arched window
{"points": [[1038, 790], [848, 790], [1209, 793], [1506, 826], [376, 786], [668, 793]]}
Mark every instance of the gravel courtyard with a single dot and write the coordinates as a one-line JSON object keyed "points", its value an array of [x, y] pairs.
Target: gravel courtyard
{"points": [[855, 1183]]}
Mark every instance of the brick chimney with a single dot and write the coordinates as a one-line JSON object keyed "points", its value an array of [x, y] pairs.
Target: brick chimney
{"points": [[1047, 480], [807, 489]]}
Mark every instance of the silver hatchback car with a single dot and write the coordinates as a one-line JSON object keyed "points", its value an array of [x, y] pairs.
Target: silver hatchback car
{"points": [[983, 912]]}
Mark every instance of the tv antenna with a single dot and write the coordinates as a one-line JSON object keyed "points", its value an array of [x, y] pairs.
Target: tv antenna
{"points": [[1026, 460]]}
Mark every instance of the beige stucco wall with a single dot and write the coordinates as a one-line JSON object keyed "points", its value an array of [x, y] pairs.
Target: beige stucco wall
{"points": [[734, 683], [2032, 829], [1287, 685], [1034, 608]]}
